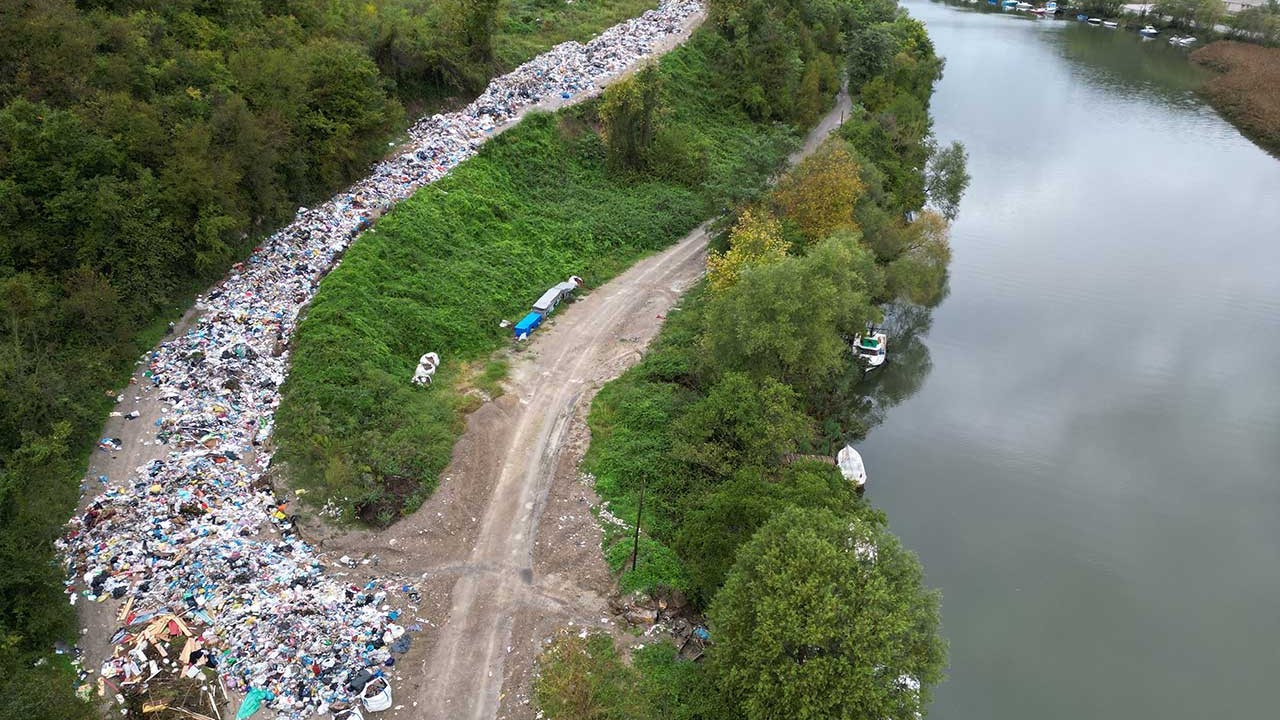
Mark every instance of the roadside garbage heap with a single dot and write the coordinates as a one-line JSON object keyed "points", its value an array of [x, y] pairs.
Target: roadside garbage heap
{"points": [[197, 538]]}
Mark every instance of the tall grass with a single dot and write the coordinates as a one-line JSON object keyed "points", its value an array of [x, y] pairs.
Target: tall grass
{"points": [[1247, 89], [443, 270]]}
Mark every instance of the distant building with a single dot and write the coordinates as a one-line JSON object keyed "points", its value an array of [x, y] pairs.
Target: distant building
{"points": [[1234, 6]]}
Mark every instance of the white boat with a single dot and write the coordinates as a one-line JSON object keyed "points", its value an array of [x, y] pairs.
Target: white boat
{"points": [[1023, 6], [1184, 41], [1110, 24], [871, 348], [1051, 7], [1095, 21], [1149, 31], [851, 467]]}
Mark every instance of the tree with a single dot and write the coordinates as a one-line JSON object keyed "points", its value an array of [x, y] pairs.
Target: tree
{"points": [[630, 115], [1204, 13], [741, 423], [871, 48], [918, 274], [710, 534], [824, 616], [819, 196], [946, 178], [789, 321], [755, 241]]}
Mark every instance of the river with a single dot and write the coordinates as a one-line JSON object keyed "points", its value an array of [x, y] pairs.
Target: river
{"points": [[1090, 466]]}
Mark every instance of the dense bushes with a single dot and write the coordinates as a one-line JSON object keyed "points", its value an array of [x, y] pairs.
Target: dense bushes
{"points": [[1245, 88], [439, 272]]}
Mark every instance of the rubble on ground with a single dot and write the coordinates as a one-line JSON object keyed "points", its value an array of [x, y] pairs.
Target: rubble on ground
{"points": [[196, 544]]}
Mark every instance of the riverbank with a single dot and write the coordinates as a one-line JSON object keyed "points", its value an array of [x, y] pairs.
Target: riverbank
{"points": [[1246, 89], [752, 369]]}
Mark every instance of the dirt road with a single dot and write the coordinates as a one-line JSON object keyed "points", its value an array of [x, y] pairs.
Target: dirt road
{"points": [[507, 549]]}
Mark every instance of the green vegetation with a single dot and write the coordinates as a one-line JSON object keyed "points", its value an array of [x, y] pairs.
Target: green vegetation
{"points": [[824, 617], [440, 271], [1200, 14], [584, 677], [144, 146], [1245, 88], [815, 610], [1260, 24]]}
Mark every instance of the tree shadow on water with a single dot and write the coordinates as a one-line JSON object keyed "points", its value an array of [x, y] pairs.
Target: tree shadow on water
{"points": [[859, 399]]}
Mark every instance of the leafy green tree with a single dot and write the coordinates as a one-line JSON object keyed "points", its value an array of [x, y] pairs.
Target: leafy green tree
{"points": [[946, 178], [630, 115], [1202, 14], [824, 616], [710, 534], [741, 423], [789, 320], [871, 49], [918, 273], [1261, 22]]}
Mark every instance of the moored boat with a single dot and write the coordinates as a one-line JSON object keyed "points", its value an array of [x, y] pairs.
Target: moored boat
{"points": [[1095, 21], [851, 467], [1112, 24], [872, 348], [1149, 31]]}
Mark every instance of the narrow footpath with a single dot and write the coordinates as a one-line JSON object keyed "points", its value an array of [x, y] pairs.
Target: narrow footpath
{"points": [[507, 550]]}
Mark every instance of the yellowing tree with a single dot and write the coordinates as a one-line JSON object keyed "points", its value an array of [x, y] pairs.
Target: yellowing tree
{"points": [[756, 239], [820, 194]]}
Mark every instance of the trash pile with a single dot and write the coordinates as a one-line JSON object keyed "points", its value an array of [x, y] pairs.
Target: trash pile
{"points": [[666, 614], [196, 544]]}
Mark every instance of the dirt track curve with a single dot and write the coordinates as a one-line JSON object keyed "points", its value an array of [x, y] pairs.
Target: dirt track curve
{"points": [[507, 550]]}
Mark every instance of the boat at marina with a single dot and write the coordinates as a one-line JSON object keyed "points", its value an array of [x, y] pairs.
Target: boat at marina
{"points": [[1095, 21], [1183, 40], [1149, 31], [1110, 24]]}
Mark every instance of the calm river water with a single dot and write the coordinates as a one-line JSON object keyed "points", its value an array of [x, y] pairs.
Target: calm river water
{"points": [[1090, 470]]}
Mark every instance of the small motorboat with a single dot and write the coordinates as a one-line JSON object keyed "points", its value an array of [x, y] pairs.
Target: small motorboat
{"points": [[1183, 40], [1023, 6], [1112, 24], [1051, 8], [1149, 31], [1095, 21], [1082, 17], [1037, 11], [871, 347], [851, 467]]}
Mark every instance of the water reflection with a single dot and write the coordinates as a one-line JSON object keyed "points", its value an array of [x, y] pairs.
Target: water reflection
{"points": [[862, 397]]}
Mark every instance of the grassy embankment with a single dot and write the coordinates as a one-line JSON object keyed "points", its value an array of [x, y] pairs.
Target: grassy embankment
{"points": [[1246, 89], [441, 270]]}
